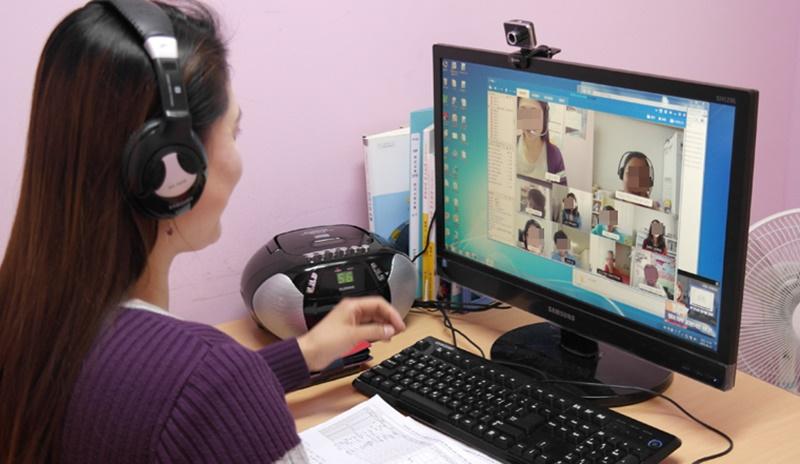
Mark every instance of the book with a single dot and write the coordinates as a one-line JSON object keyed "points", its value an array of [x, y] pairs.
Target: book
{"points": [[418, 121], [430, 284], [386, 167]]}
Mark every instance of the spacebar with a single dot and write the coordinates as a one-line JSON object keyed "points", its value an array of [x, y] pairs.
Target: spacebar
{"points": [[419, 401]]}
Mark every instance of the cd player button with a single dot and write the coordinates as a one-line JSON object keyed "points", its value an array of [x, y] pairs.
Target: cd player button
{"points": [[309, 257], [312, 283], [328, 254], [377, 271], [364, 248]]}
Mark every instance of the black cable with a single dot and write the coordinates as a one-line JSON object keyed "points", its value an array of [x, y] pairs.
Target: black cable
{"points": [[459, 307], [632, 387], [427, 239], [448, 323]]}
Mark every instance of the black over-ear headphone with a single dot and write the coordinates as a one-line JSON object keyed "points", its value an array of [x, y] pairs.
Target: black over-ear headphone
{"points": [[635, 154], [164, 162]]}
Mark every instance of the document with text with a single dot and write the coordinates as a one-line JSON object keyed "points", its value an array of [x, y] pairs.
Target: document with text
{"points": [[374, 432]]}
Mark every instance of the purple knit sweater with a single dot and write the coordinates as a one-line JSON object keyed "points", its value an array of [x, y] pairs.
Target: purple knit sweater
{"points": [[159, 389]]}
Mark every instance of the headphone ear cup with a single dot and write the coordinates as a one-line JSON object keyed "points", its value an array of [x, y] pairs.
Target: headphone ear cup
{"points": [[164, 171], [189, 162]]}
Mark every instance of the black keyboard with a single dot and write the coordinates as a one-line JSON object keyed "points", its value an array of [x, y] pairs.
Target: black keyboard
{"points": [[508, 415]]}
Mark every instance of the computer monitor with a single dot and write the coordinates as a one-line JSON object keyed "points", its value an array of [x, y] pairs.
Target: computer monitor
{"points": [[614, 204]]}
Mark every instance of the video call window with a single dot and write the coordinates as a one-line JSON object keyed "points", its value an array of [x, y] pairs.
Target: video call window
{"points": [[592, 190], [696, 305]]}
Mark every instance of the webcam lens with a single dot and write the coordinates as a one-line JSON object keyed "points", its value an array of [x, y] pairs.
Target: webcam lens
{"points": [[512, 38]]}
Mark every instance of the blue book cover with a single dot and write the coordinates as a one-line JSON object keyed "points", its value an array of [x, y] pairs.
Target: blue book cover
{"points": [[386, 166]]}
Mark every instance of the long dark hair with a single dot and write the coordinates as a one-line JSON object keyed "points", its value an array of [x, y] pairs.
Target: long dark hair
{"points": [[528, 225], [659, 244], [76, 246]]}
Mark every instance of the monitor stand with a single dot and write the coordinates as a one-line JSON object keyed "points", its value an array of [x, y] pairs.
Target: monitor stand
{"points": [[563, 355]]}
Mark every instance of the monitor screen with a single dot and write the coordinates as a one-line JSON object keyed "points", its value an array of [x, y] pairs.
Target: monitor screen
{"points": [[592, 186]]}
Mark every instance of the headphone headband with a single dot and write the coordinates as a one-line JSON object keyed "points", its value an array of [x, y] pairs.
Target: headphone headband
{"points": [[155, 29], [164, 163], [635, 154]]}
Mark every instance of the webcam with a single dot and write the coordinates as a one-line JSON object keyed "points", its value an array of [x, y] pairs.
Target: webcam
{"points": [[520, 33]]}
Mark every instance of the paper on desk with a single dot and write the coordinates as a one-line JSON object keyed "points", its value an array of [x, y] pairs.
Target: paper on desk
{"points": [[374, 432]]}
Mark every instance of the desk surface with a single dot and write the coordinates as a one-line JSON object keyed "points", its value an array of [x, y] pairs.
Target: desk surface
{"points": [[761, 419]]}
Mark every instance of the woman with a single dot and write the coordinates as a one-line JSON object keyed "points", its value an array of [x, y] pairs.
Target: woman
{"points": [[92, 366], [655, 238], [533, 237], [536, 202], [536, 156]]}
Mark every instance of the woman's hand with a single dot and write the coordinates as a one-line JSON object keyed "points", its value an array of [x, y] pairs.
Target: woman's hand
{"points": [[353, 320]]}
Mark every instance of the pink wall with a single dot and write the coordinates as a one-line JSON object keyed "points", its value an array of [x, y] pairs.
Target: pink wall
{"points": [[313, 77]]}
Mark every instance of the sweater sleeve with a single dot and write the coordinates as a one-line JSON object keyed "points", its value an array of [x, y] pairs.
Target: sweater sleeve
{"points": [[231, 409], [287, 362]]}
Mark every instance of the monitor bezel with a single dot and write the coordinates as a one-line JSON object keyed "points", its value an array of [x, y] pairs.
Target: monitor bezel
{"points": [[716, 368]]}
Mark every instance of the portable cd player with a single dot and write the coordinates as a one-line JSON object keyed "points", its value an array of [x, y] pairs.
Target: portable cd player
{"points": [[299, 276]]}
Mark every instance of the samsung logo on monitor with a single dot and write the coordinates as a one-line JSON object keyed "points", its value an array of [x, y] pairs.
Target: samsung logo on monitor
{"points": [[561, 313]]}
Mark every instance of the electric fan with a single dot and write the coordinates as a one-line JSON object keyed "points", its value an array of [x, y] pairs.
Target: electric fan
{"points": [[769, 342]]}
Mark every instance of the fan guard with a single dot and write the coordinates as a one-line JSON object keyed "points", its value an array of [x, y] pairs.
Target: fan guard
{"points": [[769, 341]]}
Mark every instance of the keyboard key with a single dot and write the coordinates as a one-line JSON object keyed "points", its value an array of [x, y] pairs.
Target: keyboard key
{"points": [[531, 454], [514, 432], [390, 364], [503, 441], [422, 345], [527, 423], [387, 385], [425, 404], [518, 449], [468, 423], [629, 459]]}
